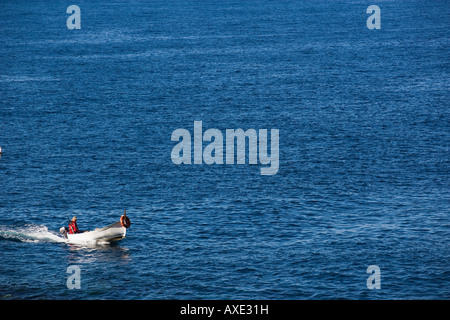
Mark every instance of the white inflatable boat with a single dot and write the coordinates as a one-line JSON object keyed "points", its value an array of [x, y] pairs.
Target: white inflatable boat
{"points": [[113, 232]]}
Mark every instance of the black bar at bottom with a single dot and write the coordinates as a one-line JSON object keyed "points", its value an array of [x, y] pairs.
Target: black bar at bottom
{"points": [[219, 309]]}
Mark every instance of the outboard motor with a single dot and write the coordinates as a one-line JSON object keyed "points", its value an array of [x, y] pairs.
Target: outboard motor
{"points": [[63, 231]]}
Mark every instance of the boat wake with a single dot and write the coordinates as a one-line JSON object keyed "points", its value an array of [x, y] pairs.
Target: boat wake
{"points": [[29, 233]]}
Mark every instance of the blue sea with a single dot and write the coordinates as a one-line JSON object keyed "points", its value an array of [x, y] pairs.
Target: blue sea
{"points": [[87, 115]]}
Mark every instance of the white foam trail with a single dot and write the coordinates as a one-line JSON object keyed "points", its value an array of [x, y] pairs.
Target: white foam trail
{"points": [[30, 233]]}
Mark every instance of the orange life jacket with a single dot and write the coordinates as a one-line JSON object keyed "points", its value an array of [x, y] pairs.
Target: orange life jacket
{"points": [[73, 228]]}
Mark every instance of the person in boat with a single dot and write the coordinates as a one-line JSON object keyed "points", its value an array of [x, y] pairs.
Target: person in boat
{"points": [[73, 228]]}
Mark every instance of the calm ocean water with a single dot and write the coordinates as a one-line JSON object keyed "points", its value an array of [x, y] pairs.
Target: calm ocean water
{"points": [[86, 118]]}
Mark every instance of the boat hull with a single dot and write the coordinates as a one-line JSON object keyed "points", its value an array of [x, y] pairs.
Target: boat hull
{"points": [[113, 232]]}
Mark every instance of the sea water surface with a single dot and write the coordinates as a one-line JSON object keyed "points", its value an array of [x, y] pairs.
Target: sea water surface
{"points": [[86, 118]]}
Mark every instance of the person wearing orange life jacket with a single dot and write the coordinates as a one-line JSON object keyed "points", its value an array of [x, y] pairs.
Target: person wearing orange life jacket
{"points": [[73, 228]]}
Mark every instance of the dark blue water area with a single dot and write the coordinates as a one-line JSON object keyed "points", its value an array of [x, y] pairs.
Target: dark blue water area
{"points": [[86, 118]]}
